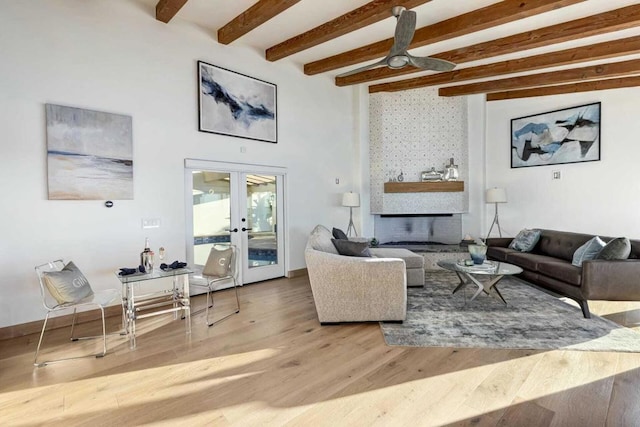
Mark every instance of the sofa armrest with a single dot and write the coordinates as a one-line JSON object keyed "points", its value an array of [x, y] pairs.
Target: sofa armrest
{"points": [[616, 280], [357, 288], [502, 242]]}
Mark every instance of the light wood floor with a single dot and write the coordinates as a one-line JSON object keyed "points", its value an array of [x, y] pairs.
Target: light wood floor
{"points": [[273, 364]]}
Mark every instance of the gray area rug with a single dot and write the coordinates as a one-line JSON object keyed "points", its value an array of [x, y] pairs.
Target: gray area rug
{"points": [[532, 319]]}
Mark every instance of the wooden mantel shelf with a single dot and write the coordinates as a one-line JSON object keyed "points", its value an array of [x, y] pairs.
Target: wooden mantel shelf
{"points": [[424, 187]]}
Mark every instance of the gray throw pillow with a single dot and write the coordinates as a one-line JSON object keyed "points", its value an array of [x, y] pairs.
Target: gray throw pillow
{"points": [[320, 240], [349, 248], [67, 285], [218, 263], [619, 248], [339, 234], [588, 251], [526, 240]]}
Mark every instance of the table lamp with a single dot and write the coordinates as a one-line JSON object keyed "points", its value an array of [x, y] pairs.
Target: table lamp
{"points": [[351, 200], [496, 195]]}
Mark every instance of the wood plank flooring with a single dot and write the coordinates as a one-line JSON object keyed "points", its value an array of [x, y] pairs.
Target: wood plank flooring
{"points": [[273, 364]]}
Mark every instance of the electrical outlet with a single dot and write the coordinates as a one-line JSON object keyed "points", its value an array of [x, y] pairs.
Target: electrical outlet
{"points": [[337, 180], [150, 222], [556, 175], [243, 149]]}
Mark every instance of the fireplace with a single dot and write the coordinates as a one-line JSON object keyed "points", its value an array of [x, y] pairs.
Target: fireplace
{"points": [[420, 232]]}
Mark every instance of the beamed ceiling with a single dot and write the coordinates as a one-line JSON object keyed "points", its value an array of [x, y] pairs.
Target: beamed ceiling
{"points": [[506, 49]]}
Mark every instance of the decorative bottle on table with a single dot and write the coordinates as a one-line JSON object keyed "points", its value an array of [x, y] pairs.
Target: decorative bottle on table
{"points": [[146, 257]]}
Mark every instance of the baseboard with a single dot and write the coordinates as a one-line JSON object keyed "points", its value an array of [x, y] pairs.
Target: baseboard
{"points": [[297, 273], [35, 327]]}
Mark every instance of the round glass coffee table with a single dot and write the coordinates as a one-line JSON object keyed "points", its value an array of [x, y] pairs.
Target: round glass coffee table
{"points": [[470, 274]]}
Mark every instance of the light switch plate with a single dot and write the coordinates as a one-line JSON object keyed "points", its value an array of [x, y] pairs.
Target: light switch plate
{"points": [[150, 222], [556, 175]]}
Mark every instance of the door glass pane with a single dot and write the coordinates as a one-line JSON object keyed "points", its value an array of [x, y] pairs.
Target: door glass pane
{"points": [[211, 212], [261, 217]]}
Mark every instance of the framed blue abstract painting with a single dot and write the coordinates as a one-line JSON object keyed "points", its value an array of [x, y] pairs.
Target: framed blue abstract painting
{"points": [[569, 135], [233, 104]]}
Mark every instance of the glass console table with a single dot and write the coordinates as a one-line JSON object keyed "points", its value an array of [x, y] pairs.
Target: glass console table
{"points": [[154, 299]]}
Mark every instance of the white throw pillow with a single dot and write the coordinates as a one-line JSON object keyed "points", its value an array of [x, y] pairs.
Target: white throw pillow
{"points": [[588, 251]]}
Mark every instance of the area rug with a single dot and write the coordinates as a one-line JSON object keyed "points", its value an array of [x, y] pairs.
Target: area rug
{"points": [[531, 319]]}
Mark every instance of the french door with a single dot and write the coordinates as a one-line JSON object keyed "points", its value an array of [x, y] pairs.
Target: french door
{"points": [[241, 205]]}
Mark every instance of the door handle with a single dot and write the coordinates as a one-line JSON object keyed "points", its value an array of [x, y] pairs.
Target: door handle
{"points": [[235, 230], [246, 229]]}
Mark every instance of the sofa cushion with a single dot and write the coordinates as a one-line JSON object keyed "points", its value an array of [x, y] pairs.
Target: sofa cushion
{"points": [[320, 240], [526, 240], [528, 261], [499, 253], [349, 248], [588, 251], [619, 248], [339, 234], [563, 271], [561, 244], [411, 260]]}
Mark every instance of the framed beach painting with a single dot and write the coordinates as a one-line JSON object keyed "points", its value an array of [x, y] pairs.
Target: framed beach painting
{"points": [[89, 154], [233, 104], [570, 135]]}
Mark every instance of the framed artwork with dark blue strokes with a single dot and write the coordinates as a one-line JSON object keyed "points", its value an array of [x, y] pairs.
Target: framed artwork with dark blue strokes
{"points": [[237, 105], [570, 135]]}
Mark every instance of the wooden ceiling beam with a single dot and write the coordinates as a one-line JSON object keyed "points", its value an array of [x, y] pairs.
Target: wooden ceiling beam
{"points": [[167, 9], [615, 20], [593, 72], [594, 52], [590, 86], [496, 14], [252, 18], [368, 14]]}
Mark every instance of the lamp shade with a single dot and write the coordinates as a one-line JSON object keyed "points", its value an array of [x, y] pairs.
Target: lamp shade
{"points": [[351, 199], [496, 195]]}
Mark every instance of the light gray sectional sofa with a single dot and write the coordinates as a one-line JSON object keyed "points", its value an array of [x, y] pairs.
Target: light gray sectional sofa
{"points": [[355, 289]]}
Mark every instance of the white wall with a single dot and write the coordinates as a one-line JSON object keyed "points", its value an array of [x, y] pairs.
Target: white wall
{"points": [[113, 56], [601, 197]]}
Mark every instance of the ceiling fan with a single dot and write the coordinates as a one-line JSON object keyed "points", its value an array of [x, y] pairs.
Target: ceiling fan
{"points": [[398, 56]]}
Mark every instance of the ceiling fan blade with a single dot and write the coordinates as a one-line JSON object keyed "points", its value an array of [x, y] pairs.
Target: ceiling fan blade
{"points": [[382, 62], [405, 29], [428, 63]]}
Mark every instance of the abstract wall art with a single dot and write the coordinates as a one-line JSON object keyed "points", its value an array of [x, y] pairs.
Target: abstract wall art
{"points": [[569, 135], [89, 154], [233, 104]]}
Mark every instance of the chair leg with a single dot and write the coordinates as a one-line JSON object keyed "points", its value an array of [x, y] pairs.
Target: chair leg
{"points": [[584, 305], [73, 323], [44, 325], [235, 286]]}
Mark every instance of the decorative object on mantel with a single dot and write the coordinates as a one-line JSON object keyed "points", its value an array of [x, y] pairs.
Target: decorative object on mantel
{"points": [[432, 175], [496, 195], [570, 135], [89, 154], [532, 320], [233, 104], [351, 200], [450, 171]]}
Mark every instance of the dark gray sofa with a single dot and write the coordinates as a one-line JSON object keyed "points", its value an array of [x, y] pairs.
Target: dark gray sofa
{"points": [[549, 266]]}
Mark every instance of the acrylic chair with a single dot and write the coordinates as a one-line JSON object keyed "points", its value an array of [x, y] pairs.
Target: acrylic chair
{"points": [[99, 299], [220, 267]]}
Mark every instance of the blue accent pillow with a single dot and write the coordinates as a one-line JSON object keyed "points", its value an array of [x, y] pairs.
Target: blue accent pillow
{"points": [[619, 248], [526, 240], [587, 251]]}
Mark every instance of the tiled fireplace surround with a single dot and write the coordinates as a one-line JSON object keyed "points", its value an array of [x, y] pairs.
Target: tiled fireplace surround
{"points": [[410, 132]]}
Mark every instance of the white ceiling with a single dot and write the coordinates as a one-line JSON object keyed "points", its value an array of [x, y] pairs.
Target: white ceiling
{"points": [[210, 15]]}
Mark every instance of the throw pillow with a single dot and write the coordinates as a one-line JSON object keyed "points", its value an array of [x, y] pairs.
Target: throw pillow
{"points": [[349, 248], [526, 240], [619, 248], [67, 285], [587, 251], [339, 234], [218, 263], [320, 240]]}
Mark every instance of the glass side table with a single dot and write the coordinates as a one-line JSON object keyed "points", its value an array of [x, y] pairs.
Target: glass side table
{"points": [[158, 299]]}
